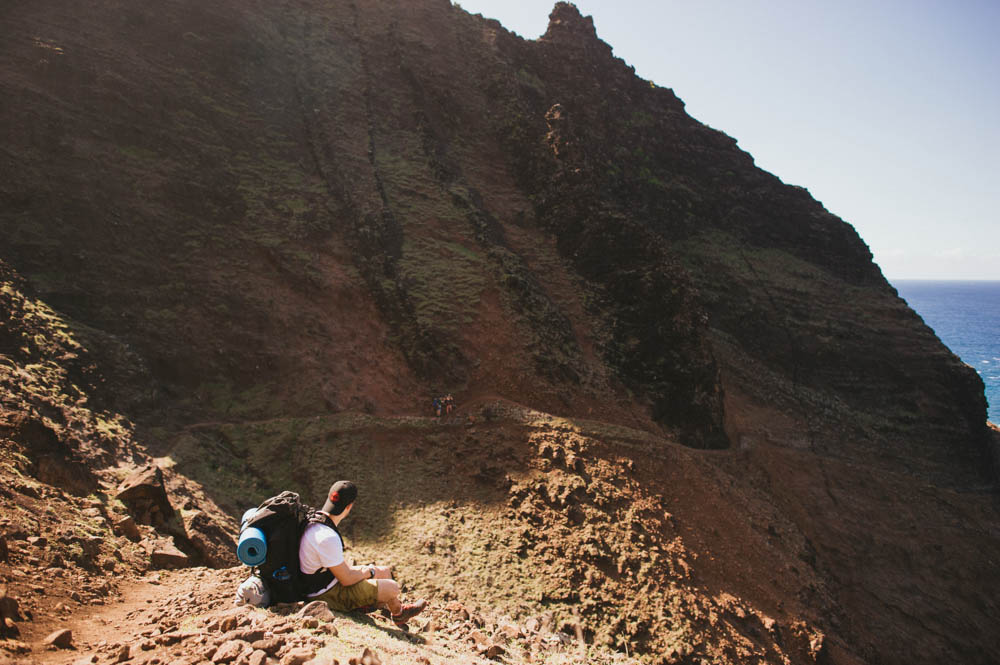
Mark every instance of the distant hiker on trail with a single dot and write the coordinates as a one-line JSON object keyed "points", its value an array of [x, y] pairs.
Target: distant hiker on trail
{"points": [[327, 576], [437, 407], [449, 404]]}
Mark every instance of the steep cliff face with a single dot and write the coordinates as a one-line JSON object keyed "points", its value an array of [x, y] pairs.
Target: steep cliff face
{"points": [[251, 212], [784, 285], [221, 186]]}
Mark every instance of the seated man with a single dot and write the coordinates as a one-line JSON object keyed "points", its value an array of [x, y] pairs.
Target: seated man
{"points": [[326, 575]]}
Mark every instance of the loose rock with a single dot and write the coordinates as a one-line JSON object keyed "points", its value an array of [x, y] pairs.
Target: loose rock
{"points": [[230, 621], [229, 651], [244, 635], [168, 556], [128, 528], [62, 639], [121, 654], [318, 609], [169, 639], [322, 660], [16, 647], [510, 631], [297, 656], [269, 646], [146, 496], [258, 657], [8, 607], [212, 544], [10, 627]]}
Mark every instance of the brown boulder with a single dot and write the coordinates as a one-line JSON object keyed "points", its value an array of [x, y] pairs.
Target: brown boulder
{"points": [[510, 631], [369, 657], [146, 497], [245, 634], [15, 647], [213, 544], [229, 621], [318, 609], [9, 628], [8, 612], [127, 527], [169, 639], [120, 654], [229, 651], [168, 556], [297, 656], [62, 639], [258, 657], [269, 646]]}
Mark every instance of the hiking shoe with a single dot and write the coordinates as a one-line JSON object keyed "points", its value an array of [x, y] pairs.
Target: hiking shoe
{"points": [[409, 611]]}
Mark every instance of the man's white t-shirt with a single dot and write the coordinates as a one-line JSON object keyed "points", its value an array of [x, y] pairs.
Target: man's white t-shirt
{"points": [[320, 547]]}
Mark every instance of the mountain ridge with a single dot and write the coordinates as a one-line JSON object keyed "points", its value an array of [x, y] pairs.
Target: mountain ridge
{"points": [[285, 228]]}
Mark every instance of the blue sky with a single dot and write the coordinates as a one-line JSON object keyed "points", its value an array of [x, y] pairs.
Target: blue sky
{"points": [[887, 112]]}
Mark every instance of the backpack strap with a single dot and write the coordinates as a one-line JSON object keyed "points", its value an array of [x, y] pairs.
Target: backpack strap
{"points": [[322, 577], [319, 517]]}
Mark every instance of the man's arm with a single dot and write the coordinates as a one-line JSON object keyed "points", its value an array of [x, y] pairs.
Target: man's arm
{"points": [[350, 575]]}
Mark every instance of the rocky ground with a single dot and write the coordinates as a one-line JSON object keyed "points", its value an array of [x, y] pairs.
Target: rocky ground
{"points": [[252, 239], [189, 617], [536, 537]]}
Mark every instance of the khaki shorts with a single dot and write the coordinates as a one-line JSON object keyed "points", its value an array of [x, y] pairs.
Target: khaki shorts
{"points": [[346, 598]]}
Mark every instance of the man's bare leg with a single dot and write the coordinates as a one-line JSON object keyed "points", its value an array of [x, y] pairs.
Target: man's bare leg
{"points": [[388, 594]]}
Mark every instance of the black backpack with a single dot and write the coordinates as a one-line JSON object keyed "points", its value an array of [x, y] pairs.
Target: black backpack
{"points": [[282, 518]]}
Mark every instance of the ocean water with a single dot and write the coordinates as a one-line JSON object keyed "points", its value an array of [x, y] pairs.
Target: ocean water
{"points": [[966, 317]]}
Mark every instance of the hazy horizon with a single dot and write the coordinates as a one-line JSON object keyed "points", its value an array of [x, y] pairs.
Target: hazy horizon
{"points": [[886, 113]]}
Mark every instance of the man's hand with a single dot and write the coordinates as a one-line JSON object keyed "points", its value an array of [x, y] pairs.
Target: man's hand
{"points": [[382, 572], [350, 575]]}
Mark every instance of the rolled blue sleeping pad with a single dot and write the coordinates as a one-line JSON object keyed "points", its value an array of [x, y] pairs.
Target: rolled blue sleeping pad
{"points": [[252, 547], [246, 517]]}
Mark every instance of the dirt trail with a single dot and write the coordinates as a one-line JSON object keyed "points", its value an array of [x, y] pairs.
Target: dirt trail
{"points": [[95, 627], [137, 613], [188, 616]]}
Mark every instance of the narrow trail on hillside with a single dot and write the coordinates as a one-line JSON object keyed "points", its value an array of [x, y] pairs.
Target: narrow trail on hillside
{"points": [[181, 616], [188, 616], [95, 627], [474, 408]]}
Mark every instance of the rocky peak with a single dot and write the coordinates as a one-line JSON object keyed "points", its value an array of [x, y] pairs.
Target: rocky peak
{"points": [[568, 26]]}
